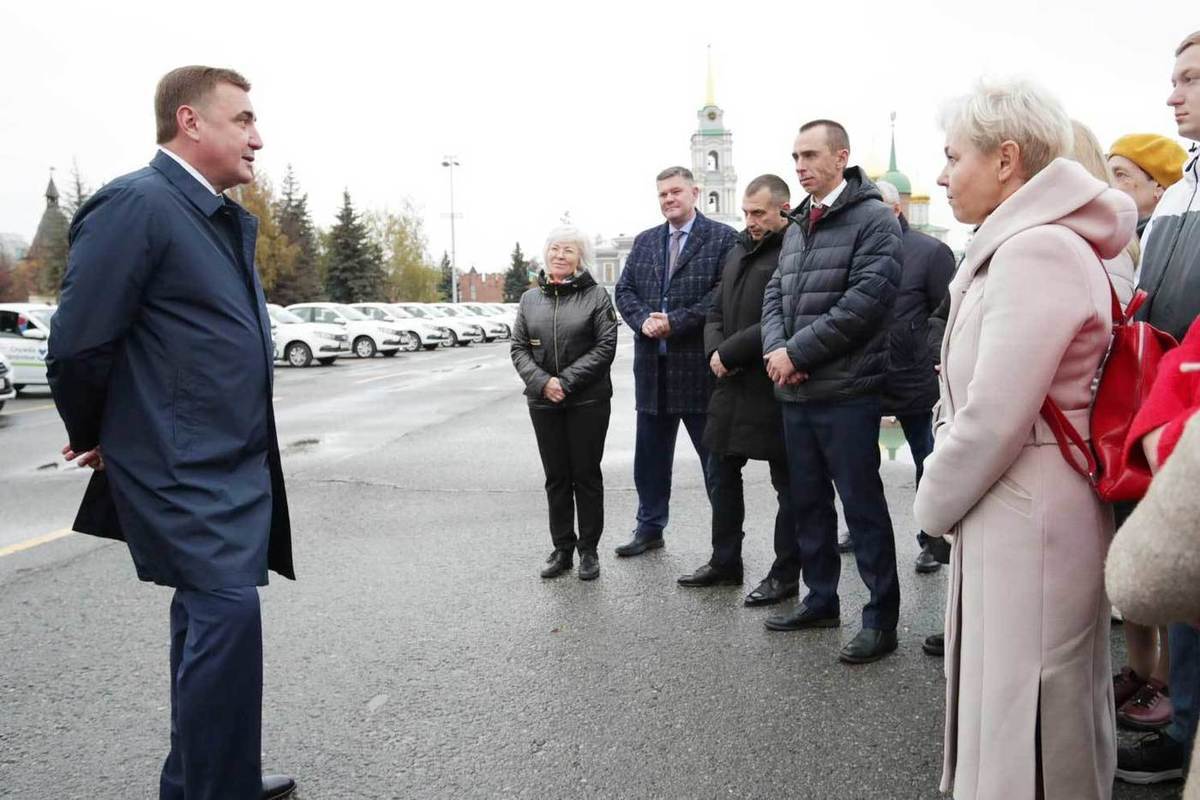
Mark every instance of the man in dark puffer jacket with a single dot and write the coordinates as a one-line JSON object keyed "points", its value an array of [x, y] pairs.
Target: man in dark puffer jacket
{"points": [[824, 327]]}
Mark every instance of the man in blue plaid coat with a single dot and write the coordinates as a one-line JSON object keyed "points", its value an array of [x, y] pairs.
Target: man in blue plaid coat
{"points": [[664, 294]]}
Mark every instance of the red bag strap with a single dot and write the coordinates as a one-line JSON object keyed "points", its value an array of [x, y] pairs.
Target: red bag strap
{"points": [[1064, 432], [1067, 437]]}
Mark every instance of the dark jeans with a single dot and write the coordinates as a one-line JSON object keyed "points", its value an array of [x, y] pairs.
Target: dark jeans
{"points": [[918, 431], [216, 696], [729, 512], [571, 444], [837, 444], [1185, 683]]}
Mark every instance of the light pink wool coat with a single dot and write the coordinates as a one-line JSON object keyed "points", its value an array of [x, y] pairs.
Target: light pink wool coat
{"points": [[1027, 620]]}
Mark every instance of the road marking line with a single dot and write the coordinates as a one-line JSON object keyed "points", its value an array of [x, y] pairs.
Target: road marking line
{"points": [[36, 541], [35, 408]]}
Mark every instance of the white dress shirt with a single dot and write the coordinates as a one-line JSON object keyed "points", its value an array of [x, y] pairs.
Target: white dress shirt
{"points": [[191, 170]]}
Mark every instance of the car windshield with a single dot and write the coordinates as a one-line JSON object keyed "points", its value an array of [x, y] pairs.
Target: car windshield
{"points": [[42, 315], [282, 315], [350, 313], [375, 312], [434, 312], [450, 312], [399, 313]]}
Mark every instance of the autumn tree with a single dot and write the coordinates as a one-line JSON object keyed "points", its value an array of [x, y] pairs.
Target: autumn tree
{"points": [[401, 239], [445, 279]]}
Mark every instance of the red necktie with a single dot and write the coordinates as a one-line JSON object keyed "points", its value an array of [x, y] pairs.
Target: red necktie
{"points": [[814, 214]]}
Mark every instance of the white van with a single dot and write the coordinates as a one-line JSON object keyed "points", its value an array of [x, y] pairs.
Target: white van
{"points": [[7, 392], [24, 334]]}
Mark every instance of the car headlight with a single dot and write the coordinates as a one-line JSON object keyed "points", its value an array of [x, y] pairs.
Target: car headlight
{"points": [[333, 337]]}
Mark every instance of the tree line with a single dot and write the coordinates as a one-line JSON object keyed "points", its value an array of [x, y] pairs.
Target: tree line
{"points": [[364, 256]]}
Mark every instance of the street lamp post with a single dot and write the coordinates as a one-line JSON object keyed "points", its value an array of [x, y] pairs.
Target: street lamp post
{"points": [[451, 162]]}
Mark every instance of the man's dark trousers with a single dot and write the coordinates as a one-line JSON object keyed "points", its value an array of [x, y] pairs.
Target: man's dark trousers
{"points": [[918, 432], [216, 696], [837, 443], [729, 513], [654, 456], [1185, 684]]}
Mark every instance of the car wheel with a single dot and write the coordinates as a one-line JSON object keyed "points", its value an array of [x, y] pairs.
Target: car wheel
{"points": [[389, 353], [414, 343], [364, 347], [452, 341], [298, 354], [327, 361]]}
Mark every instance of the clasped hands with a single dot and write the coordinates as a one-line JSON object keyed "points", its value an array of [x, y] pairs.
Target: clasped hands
{"points": [[553, 391], [781, 370], [656, 326]]}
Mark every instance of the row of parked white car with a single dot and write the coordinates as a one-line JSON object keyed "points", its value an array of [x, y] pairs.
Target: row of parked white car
{"points": [[304, 333], [324, 332]]}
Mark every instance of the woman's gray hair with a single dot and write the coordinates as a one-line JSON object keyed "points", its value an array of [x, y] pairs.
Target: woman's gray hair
{"points": [[571, 234], [888, 191], [1012, 110]]}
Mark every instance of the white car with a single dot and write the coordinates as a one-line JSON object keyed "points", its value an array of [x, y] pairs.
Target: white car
{"points": [[424, 332], [7, 392], [490, 312], [462, 331], [492, 328], [24, 334], [298, 342], [367, 337]]}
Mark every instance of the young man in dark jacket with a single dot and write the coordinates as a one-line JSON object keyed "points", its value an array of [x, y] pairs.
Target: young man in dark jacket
{"points": [[927, 266], [744, 421], [824, 327], [663, 294]]}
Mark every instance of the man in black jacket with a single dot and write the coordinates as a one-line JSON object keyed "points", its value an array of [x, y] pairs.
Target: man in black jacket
{"points": [[824, 327], [743, 418], [912, 386]]}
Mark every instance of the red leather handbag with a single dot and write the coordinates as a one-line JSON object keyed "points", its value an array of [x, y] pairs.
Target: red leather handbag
{"points": [[1126, 375]]}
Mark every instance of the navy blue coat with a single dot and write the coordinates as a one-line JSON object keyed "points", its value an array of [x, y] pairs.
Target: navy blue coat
{"points": [[161, 354], [690, 295]]}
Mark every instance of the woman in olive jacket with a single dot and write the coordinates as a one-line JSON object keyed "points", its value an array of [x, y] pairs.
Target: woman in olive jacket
{"points": [[563, 344]]}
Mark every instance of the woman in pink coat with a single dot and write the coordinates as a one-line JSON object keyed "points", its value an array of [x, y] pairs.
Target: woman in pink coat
{"points": [[1029, 709]]}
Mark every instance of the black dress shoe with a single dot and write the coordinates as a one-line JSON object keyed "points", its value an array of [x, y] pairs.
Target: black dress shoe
{"points": [[869, 645], [772, 591], [927, 562], [276, 787], [708, 575], [801, 619], [558, 563], [934, 645], [640, 544], [589, 565]]}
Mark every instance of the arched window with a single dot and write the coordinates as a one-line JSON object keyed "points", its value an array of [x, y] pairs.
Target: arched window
{"points": [[714, 203], [714, 162]]}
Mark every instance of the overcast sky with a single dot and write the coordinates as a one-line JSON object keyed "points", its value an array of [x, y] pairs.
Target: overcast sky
{"points": [[552, 107]]}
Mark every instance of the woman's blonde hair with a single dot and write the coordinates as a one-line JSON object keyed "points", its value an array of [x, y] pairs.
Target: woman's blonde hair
{"points": [[571, 234], [1088, 152], [1014, 110]]}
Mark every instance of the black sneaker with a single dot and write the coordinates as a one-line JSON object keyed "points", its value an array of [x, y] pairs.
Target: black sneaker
{"points": [[1156, 758]]}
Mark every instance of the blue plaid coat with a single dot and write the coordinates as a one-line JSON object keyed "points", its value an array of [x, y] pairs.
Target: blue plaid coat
{"points": [[689, 296]]}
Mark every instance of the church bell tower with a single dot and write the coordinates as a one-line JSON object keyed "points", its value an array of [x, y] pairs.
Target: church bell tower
{"points": [[712, 161]]}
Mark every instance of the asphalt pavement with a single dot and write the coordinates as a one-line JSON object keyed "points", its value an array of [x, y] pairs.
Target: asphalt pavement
{"points": [[420, 656]]}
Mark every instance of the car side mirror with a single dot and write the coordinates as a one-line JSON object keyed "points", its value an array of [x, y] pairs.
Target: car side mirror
{"points": [[33, 333]]}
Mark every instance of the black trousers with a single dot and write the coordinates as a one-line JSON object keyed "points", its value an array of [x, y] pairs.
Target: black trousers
{"points": [[837, 443], [729, 512], [571, 443]]}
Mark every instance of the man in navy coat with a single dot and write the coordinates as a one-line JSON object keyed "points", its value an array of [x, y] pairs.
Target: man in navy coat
{"points": [[664, 294], [161, 368]]}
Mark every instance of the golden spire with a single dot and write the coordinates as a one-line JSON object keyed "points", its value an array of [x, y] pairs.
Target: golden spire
{"points": [[710, 98]]}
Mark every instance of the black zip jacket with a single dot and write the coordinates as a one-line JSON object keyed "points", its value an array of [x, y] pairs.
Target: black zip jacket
{"points": [[568, 331]]}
